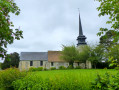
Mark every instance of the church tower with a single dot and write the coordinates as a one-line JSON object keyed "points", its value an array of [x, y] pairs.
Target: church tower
{"points": [[81, 38]]}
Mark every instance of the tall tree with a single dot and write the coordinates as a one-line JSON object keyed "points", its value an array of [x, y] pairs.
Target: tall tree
{"points": [[7, 34], [110, 8], [11, 60], [96, 55], [114, 52], [107, 40], [70, 54], [84, 53]]}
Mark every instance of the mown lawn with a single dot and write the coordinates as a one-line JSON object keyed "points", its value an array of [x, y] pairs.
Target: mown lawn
{"points": [[83, 76]]}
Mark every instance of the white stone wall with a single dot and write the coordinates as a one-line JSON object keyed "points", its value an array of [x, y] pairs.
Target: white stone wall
{"points": [[88, 64], [25, 65], [58, 64]]}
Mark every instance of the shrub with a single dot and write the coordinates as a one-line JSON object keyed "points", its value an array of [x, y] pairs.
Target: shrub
{"points": [[9, 75], [117, 68], [32, 69], [70, 67], [39, 69], [78, 67], [53, 68], [106, 82], [37, 82], [45, 69], [62, 67]]}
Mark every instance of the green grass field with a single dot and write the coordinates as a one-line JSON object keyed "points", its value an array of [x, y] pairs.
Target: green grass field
{"points": [[70, 79], [82, 76]]}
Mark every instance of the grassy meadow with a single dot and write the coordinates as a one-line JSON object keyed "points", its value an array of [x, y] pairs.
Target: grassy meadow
{"points": [[82, 76], [64, 79]]}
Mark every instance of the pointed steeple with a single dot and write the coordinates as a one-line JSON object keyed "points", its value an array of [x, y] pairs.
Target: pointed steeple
{"points": [[80, 26], [81, 38]]}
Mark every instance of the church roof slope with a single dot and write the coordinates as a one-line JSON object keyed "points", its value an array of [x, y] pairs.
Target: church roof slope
{"points": [[34, 56], [54, 56]]}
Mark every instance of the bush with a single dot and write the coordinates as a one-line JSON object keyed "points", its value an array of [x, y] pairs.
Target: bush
{"points": [[70, 67], [62, 67], [117, 68], [32, 69], [78, 67], [37, 82], [9, 75], [39, 69], [45, 69], [106, 82], [53, 68]]}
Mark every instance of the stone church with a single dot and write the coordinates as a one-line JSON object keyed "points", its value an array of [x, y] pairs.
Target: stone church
{"points": [[51, 58]]}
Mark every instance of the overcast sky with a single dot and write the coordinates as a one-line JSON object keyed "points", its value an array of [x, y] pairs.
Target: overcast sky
{"points": [[47, 24]]}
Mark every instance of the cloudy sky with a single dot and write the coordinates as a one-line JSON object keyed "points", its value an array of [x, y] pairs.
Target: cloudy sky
{"points": [[47, 24]]}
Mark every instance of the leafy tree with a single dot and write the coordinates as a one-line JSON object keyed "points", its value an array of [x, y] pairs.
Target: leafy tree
{"points": [[91, 53], [110, 8], [114, 53], [107, 40], [7, 34], [84, 53], [70, 54], [11, 60], [96, 55]]}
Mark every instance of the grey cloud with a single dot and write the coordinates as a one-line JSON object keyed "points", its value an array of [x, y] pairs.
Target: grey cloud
{"points": [[47, 24]]}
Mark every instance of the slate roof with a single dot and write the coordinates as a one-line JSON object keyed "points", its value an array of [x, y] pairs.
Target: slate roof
{"points": [[34, 56]]}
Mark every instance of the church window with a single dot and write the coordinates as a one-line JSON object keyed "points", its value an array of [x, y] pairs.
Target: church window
{"points": [[31, 63], [52, 63], [41, 63]]}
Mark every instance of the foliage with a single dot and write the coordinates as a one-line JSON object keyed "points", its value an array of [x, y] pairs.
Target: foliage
{"points": [[36, 82], [62, 67], [92, 53], [114, 53], [110, 8], [96, 55], [70, 54], [78, 67], [107, 40], [11, 60], [32, 69], [54, 79], [45, 69], [84, 53], [70, 67], [9, 75], [0, 65], [53, 68], [117, 68], [7, 34], [39, 68], [106, 82]]}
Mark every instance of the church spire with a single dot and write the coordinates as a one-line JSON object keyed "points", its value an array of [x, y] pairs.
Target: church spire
{"points": [[81, 38], [80, 27]]}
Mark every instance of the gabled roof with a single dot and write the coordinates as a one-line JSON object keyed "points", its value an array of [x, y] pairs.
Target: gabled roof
{"points": [[34, 56], [54, 56]]}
